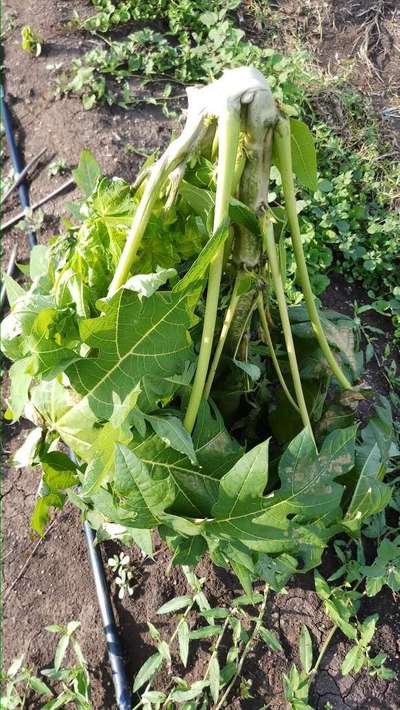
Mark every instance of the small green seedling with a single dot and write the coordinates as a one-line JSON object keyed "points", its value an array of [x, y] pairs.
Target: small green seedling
{"points": [[31, 41], [32, 221], [17, 684], [124, 576], [231, 633], [58, 167], [20, 683]]}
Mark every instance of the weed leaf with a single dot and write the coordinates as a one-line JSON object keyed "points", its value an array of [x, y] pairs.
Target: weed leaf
{"points": [[175, 605], [149, 668], [270, 639], [214, 677], [305, 649], [183, 640]]}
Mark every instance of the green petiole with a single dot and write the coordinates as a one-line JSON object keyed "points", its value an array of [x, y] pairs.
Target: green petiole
{"points": [[267, 335], [283, 148], [267, 232], [228, 133], [230, 312]]}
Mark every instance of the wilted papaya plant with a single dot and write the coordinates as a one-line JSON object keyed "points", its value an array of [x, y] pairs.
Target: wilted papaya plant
{"points": [[156, 342]]}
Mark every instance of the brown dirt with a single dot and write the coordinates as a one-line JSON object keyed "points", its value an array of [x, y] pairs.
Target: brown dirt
{"points": [[357, 39], [56, 586]]}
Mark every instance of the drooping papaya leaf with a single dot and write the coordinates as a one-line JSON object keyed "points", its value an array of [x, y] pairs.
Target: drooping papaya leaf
{"points": [[157, 346], [143, 494], [196, 484], [20, 380], [48, 357], [303, 154], [339, 330], [13, 289], [370, 495], [308, 493], [147, 284], [59, 471], [41, 512], [17, 326], [59, 474], [187, 550]]}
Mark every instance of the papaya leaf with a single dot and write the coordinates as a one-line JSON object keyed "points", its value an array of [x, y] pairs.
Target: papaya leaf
{"points": [[207, 254], [188, 551], [158, 346], [303, 154], [308, 493], [142, 494], [196, 484], [41, 512], [20, 380], [59, 471], [87, 172], [370, 495]]}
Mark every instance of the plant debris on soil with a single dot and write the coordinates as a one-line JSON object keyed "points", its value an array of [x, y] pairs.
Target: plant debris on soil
{"points": [[56, 585]]}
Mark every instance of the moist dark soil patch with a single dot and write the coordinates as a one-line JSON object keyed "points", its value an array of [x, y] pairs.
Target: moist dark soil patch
{"points": [[57, 586]]}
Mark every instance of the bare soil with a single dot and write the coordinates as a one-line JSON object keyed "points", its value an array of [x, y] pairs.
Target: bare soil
{"points": [[56, 586]]}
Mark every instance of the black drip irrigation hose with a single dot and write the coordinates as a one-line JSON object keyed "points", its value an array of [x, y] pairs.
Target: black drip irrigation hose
{"points": [[16, 160], [121, 686]]}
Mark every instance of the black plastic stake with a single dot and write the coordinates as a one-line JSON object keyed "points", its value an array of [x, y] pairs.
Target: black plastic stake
{"points": [[122, 692]]}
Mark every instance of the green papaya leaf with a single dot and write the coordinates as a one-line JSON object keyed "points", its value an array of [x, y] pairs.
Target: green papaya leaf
{"points": [[188, 551], [207, 254], [41, 512], [13, 289], [157, 347], [275, 523], [59, 471], [145, 496], [87, 172], [196, 484], [20, 380], [146, 284], [304, 157], [370, 494]]}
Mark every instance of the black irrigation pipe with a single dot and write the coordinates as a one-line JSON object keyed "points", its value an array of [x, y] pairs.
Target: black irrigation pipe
{"points": [[16, 160], [121, 686]]}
